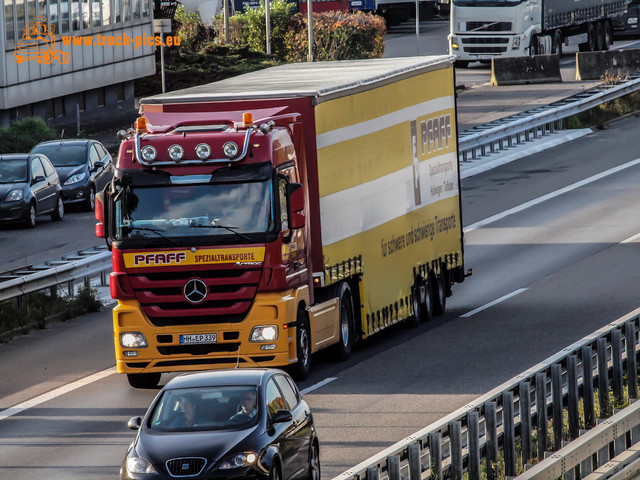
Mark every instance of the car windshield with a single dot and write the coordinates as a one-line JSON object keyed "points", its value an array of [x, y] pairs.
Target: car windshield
{"points": [[205, 408], [13, 171], [64, 155], [209, 210]]}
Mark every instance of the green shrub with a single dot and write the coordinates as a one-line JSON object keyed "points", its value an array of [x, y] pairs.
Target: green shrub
{"points": [[337, 36], [23, 135], [190, 29]]}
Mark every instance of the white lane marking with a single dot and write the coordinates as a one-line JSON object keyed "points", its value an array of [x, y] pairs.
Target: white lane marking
{"points": [[631, 239], [45, 397], [318, 385], [551, 195], [496, 301]]}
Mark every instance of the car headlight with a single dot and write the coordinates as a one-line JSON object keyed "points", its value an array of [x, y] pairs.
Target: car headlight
{"points": [[243, 459], [264, 333], [139, 465], [632, 20], [15, 196], [133, 340], [75, 178]]}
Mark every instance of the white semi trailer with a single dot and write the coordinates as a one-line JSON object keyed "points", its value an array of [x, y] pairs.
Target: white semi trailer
{"points": [[483, 29]]}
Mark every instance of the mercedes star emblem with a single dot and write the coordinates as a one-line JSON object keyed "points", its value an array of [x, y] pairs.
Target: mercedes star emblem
{"points": [[195, 290]]}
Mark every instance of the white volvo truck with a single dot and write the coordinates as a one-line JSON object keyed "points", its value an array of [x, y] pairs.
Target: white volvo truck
{"points": [[483, 29]]}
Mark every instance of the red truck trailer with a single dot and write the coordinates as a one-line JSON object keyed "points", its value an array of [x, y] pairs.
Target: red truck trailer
{"points": [[257, 220]]}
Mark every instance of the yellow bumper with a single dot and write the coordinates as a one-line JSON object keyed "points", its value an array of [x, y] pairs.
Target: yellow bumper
{"points": [[165, 353]]}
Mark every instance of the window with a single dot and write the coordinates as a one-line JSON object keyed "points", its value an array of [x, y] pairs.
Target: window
{"points": [[8, 21], [59, 107], [93, 156], [100, 96], [20, 15], [48, 168], [284, 206], [50, 112], [82, 102], [64, 16], [288, 392], [274, 398], [120, 92], [107, 7], [36, 168]]}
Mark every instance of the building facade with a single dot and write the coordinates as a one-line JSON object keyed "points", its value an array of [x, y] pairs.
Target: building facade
{"points": [[73, 60]]}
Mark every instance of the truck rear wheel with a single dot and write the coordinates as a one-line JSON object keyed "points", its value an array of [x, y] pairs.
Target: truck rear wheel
{"points": [[143, 380], [588, 46], [300, 370], [557, 42], [608, 35], [599, 36]]}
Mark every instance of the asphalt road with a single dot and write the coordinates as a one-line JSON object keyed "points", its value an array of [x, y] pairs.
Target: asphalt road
{"points": [[565, 252]]}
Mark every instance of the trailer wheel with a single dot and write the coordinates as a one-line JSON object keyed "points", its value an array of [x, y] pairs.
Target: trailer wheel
{"points": [[608, 35], [588, 46], [300, 370], [343, 347], [533, 46], [143, 380], [557, 42], [440, 293], [599, 37], [422, 303]]}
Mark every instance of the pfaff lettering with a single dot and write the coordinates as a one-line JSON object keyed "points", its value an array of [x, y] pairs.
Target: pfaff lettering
{"points": [[435, 133], [159, 258]]}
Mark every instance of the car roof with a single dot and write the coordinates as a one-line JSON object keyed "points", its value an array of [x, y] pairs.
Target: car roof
{"points": [[14, 156], [70, 141], [241, 376]]}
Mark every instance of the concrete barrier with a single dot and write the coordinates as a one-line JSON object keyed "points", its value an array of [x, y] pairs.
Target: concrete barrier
{"points": [[523, 70], [594, 65]]}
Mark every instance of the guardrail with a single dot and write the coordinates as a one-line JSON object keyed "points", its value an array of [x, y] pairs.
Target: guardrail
{"points": [[516, 129], [537, 410], [84, 264]]}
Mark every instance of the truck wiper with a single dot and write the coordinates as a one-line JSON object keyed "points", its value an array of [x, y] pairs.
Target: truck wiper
{"points": [[225, 227], [157, 232]]}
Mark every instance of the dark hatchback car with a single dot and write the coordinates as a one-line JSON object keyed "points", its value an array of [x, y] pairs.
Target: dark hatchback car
{"points": [[225, 424], [29, 186], [84, 167]]}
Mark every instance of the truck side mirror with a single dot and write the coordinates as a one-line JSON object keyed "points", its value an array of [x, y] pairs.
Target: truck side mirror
{"points": [[102, 215], [295, 192]]}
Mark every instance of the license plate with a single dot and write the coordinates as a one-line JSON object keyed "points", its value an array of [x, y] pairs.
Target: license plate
{"points": [[483, 57], [198, 338]]}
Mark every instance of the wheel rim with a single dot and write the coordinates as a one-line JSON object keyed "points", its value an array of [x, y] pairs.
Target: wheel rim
{"points": [[314, 464], [344, 325], [304, 346], [32, 214]]}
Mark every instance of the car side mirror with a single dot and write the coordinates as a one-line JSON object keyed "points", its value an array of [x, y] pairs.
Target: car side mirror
{"points": [[38, 179], [98, 164], [134, 423], [295, 192], [282, 416]]}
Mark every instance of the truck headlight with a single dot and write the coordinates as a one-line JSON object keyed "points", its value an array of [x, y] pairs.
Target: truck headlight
{"points": [[148, 153], [264, 333], [133, 340], [516, 42], [203, 151], [230, 149], [632, 20]]}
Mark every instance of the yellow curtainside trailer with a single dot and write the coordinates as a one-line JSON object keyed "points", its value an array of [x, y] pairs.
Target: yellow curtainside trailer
{"points": [[257, 220]]}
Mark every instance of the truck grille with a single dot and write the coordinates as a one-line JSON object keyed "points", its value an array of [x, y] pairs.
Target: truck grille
{"points": [[485, 50], [186, 467], [484, 40], [230, 293], [488, 26]]}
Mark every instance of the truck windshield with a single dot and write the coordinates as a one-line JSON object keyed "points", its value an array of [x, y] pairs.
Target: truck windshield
{"points": [[487, 3], [204, 210]]}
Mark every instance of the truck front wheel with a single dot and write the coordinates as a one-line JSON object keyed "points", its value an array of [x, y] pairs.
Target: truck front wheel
{"points": [[300, 370], [143, 380]]}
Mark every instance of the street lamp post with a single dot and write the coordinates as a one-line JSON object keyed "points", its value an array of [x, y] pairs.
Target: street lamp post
{"points": [[310, 55]]}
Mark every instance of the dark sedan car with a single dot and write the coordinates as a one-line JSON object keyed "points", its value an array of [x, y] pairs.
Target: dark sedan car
{"points": [[29, 186], [225, 424], [84, 167]]}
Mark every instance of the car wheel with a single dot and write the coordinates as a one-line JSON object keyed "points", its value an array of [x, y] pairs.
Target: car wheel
{"points": [[30, 220], [274, 473], [90, 202], [346, 321], [440, 293], [58, 213], [143, 380], [314, 463], [300, 370]]}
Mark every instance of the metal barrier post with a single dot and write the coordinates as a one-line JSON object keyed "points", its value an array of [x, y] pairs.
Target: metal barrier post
{"points": [[435, 453], [509, 439], [556, 396], [415, 467], [632, 364], [616, 359], [603, 378], [455, 441], [541, 413], [587, 385], [491, 435], [525, 421], [473, 445], [393, 467], [572, 387]]}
